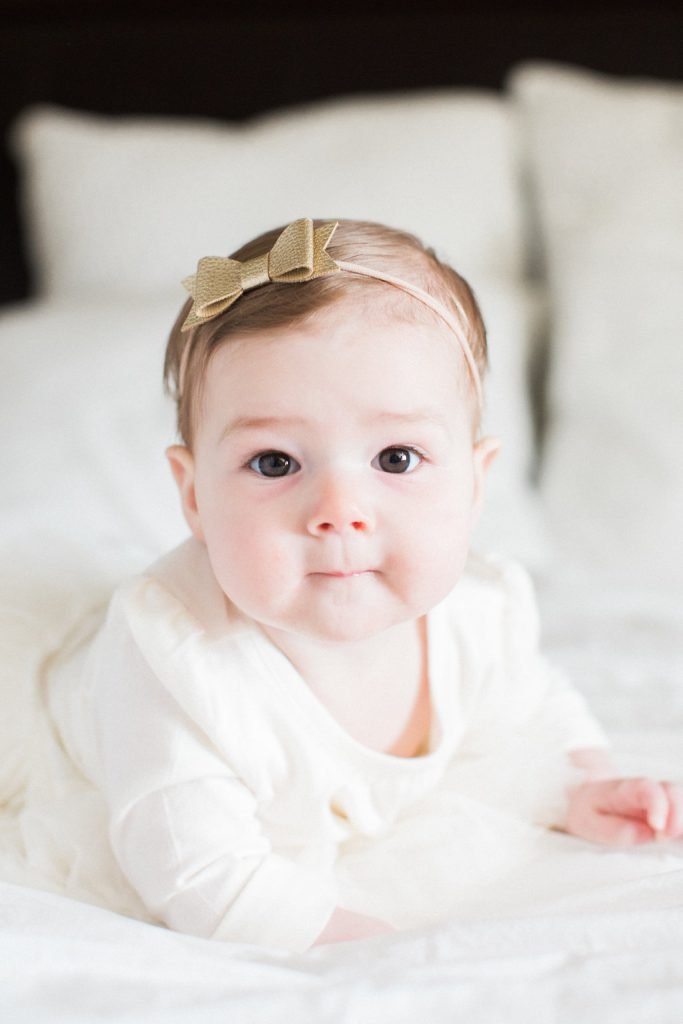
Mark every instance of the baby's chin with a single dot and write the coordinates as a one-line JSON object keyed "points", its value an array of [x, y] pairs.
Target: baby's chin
{"points": [[346, 626], [346, 632]]}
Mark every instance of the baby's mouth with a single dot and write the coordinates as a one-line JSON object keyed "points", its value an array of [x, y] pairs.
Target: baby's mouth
{"points": [[345, 575]]}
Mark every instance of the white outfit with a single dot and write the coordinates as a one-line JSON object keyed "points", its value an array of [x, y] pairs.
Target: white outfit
{"points": [[240, 809]]}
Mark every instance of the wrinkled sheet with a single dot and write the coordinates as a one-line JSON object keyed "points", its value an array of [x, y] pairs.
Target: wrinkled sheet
{"points": [[64, 961]]}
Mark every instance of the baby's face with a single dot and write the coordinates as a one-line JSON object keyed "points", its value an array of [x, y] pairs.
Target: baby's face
{"points": [[334, 477]]}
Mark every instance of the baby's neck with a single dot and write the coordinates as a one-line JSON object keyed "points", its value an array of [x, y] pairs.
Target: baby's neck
{"points": [[376, 689], [320, 660]]}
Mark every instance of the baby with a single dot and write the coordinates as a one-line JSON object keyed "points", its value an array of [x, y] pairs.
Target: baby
{"points": [[321, 717]]}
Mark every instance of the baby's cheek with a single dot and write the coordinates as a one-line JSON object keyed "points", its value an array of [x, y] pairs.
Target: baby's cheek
{"points": [[444, 571], [434, 560], [254, 566]]}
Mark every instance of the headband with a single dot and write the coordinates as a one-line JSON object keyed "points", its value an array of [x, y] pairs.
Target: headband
{"points": [[299, 254]]}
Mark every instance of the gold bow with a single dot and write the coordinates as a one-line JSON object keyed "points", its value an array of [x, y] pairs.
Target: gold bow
{"points": [[297, 255]]}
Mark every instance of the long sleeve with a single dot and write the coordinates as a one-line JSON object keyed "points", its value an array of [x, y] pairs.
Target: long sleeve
{"points": [[184, 828]]}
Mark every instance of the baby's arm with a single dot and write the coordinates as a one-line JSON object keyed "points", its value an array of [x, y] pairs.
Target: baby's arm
{"points": [[621, 812], [185, 827]]}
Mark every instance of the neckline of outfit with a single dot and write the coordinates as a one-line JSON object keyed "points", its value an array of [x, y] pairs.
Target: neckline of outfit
{"points": [[217, 614], [289, 684]]}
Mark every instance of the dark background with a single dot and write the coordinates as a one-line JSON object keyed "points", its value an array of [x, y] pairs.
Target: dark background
{"points": [[231, 60]]}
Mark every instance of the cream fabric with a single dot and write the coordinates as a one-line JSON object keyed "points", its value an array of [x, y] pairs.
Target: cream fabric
{"points": [[240, 809]]}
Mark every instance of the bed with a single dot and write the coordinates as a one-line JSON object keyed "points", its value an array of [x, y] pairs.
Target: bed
{"points": [[547, 164]]}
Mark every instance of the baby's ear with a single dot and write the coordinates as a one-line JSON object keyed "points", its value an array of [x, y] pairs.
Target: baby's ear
{"points": [[181, 462], [484, 452]]}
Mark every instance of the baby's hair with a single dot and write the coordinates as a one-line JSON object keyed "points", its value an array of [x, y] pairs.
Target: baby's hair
{"points": [[283, 305]]}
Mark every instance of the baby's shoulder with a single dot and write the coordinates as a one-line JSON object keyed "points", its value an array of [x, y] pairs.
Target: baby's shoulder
{"points": [[494, 577], [493, 594], [177, 594]]}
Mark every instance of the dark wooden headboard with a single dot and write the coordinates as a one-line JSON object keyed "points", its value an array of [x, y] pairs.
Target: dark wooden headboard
{"points": [[231, 60]]}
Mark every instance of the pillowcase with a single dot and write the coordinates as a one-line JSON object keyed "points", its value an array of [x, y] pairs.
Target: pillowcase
{"points": [[131, 204], [606, 163]]}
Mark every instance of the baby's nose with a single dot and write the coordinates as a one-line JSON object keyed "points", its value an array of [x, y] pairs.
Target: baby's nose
{"points": [[338, 507]]}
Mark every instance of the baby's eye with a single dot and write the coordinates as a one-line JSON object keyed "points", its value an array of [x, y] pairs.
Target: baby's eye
{"points": [[397, 460], [273, 464]]}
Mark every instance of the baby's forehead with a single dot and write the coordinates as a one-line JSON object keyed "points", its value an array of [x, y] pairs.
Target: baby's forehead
{"points": [[378, 323], [361, 328], [366, 360]]}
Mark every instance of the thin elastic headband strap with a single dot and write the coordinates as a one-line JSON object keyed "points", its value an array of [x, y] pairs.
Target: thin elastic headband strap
{"points": [[434, 304], [417, 293]]}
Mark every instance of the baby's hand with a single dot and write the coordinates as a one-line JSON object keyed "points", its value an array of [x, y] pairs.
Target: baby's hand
{"points": [[624, 812]]}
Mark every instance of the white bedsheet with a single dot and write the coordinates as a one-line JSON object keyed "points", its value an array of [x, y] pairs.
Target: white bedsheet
{"points": [[64, 961]]}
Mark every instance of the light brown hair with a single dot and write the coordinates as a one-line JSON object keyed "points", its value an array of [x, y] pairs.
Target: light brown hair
{"points": [[276, 305]]}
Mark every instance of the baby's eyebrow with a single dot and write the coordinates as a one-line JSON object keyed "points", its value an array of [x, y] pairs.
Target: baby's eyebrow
{"points": [[420, 416], [261, 423], [417, 418]]}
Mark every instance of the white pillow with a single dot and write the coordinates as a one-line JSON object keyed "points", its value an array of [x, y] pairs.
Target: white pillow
{"points": [[606, 159], [511, 522], [131, 204]]}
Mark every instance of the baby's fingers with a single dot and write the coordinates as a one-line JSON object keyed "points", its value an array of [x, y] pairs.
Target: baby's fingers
{"points": [[674, 823], [639, 799], [626, 812], [621, 832]]}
